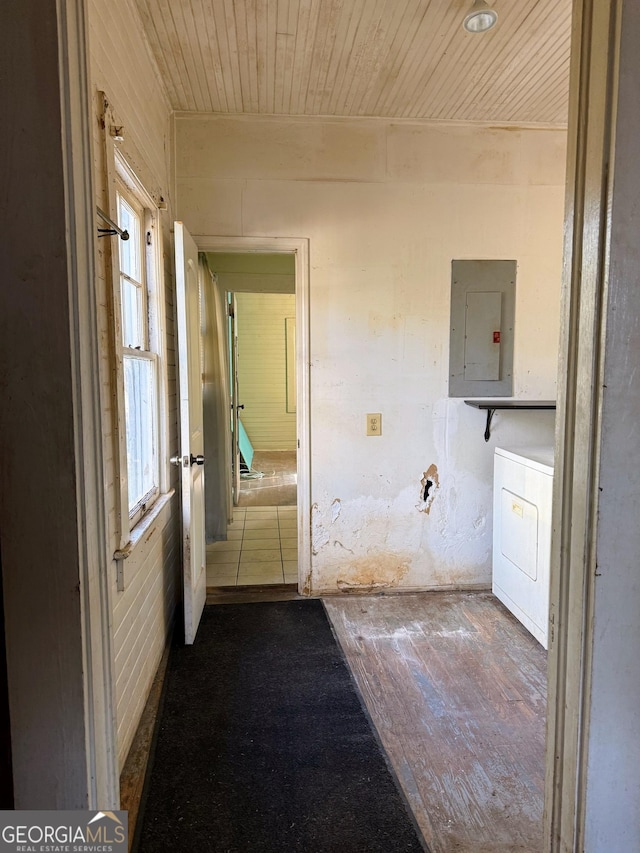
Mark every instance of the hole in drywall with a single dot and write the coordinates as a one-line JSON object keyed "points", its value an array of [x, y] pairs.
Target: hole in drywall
{"points": [[429, 485]]}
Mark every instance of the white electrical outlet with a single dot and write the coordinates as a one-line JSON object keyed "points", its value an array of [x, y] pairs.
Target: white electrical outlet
{"points": [[374, 424]]}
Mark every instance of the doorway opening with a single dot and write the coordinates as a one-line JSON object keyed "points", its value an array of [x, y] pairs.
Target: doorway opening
{"points": [[262, 355], [264, 541]]}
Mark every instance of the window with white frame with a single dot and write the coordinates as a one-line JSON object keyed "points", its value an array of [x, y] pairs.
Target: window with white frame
{"points": [[139, 351]]}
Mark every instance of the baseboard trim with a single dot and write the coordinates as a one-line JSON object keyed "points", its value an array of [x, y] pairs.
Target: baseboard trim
{"points": [[134, 772]]}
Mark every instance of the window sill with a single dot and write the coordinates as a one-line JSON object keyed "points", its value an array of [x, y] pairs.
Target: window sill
{"points": [[149, 518], [142, 534]]}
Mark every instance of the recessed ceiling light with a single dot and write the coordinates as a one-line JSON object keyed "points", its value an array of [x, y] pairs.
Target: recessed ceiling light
{"points": [[481, 18]]}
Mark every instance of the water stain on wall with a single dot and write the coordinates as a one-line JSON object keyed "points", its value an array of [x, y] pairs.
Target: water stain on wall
{"points": [[429, 484], [373, 572], [306, 584]]}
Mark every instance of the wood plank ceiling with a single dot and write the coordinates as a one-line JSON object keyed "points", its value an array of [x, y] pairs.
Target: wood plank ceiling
{"points": [[406, 59]]}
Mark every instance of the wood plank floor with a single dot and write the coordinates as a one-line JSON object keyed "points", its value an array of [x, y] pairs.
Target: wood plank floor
{"points": [[456, 688]]}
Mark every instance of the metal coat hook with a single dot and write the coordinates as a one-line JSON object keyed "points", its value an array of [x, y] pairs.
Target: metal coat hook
{"points": [[113, 230]]}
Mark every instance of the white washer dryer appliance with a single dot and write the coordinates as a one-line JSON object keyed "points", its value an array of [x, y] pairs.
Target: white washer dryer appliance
{"points": [[522, 495]]}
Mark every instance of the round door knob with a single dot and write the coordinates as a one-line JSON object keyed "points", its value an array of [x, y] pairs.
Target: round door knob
{"points": [[197, 460]]}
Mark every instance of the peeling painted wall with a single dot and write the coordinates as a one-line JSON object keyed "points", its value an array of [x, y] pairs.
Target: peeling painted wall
{"points": [[386, 208]]}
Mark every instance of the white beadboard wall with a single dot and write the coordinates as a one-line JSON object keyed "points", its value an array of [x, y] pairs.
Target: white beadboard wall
{"points": [[123, 68], [262, 369]]}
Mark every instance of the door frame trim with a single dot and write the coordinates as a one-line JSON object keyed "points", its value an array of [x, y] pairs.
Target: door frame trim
{"points": [[103, 778], [299, 248], [595, 52]]}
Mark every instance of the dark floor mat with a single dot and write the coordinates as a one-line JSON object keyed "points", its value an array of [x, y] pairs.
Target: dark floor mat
{"points": [[263, 745]]}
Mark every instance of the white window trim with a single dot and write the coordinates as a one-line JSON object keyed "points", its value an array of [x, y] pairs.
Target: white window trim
{"points": [[131, 529]]}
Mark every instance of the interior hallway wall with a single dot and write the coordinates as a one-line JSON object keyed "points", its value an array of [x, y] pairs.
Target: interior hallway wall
{"points": [[122, 67], [386, 207], [262, 369], [254, 272]]}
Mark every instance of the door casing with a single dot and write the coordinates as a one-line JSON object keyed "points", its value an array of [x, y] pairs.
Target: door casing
{"points": [[299, 248], [101, 763]]}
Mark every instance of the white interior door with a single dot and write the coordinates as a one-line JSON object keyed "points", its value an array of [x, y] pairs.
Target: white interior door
{"points": [[188, 311]]}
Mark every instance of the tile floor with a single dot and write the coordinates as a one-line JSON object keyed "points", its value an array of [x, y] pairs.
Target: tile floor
{"points": [[261, 548]]}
